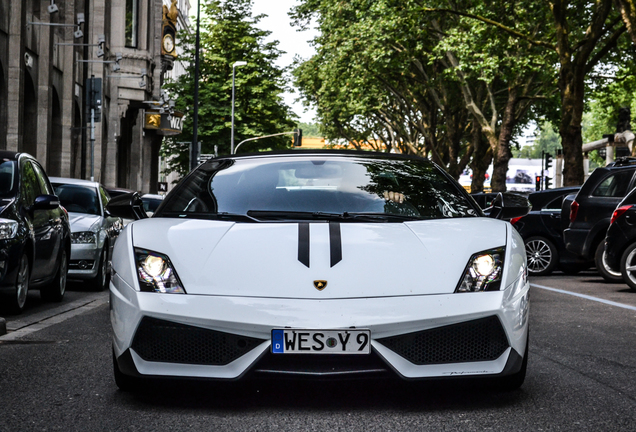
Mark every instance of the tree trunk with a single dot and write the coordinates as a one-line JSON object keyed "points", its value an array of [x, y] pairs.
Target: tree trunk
{"points": [[501, 152], [482, 155], [572, 85]]}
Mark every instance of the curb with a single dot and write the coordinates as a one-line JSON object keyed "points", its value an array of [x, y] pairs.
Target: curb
{"points": [[3, 326]]}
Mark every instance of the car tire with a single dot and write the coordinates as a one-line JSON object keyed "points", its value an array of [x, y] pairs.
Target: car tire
{"points": [[56, 289], [17, 300], [601, 265], [628, 266], [100, 281], [542, 255], [125, 383]]}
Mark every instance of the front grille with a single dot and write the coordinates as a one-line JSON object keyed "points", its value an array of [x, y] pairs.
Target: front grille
{"points": [[169, 342], [479, 340], [80, 264], [317, 365]]}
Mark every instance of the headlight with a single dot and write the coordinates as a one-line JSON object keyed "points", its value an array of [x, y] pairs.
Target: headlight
{"points": [[156, 273], [483, 272], [83, 237], [8, 229]]}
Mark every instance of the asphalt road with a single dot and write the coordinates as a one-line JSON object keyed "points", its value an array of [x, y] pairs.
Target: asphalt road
{"points": [[56, 374]]}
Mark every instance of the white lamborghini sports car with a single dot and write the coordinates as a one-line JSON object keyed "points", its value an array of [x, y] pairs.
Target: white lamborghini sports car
{"points": [[319, 264]]}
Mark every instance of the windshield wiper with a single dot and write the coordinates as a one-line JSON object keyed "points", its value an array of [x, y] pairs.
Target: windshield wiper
{"points": [[342, 217], [224, 216]]}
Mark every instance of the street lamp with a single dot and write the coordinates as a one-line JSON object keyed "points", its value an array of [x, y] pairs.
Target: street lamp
{"points": [[195, 118], [234, 66]]}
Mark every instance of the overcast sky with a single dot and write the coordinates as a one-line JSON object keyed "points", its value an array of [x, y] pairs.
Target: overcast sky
{"points": [[291, 41]]}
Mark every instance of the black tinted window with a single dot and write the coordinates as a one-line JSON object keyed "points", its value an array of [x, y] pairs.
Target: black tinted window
{"points": [[78, 199], [615, 185], [7, 178], [414, 188]]}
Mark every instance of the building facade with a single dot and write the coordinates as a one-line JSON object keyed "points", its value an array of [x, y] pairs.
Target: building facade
{"points": [[48, 51]]}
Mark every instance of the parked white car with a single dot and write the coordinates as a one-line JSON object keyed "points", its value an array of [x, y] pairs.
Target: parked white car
{"points": [[323, 264]]}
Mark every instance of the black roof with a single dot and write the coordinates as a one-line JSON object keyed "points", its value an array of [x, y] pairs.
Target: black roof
{"points": [[9, 155], [540, 198], [334, 152]]}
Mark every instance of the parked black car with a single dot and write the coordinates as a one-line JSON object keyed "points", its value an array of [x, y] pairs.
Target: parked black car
{"points": [[542, 233], [35, 243], [591, 210], [620, 241]]}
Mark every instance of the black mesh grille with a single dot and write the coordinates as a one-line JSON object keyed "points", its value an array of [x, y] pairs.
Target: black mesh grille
{"points": [[479, 340], [164, 341]]}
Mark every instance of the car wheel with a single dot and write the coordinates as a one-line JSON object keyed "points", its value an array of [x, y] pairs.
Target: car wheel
{"points": [[124, 382], [101, 279], [628, 266], [601, 265], [542, 256], [18, 298], [55, 291]]}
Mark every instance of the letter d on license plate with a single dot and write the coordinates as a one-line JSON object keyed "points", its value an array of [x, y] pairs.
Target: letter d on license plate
{"points": [[295, 341]]}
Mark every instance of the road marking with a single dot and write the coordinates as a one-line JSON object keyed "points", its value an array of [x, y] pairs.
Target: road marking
{"points": [[596, 299], [56, 319]]}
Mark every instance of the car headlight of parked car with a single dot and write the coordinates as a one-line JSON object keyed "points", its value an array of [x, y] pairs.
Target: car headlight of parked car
{"points": [[483, 272], [8, 229], [156, 273], [83, 237]]}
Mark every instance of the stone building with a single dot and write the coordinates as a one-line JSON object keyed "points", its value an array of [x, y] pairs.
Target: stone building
{"points": [[48, 50]]}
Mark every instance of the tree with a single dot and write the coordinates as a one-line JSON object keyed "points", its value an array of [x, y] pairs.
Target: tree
{"points": [[229, 34]]}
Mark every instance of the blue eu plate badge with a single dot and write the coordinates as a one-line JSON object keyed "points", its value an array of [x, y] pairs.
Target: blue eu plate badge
{"points": [[277, 341]]}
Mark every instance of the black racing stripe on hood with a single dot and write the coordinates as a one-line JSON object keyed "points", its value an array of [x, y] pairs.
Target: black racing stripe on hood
{"points": [[335, 243], [303, 243]]}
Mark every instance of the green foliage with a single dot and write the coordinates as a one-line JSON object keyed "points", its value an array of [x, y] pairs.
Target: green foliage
{"points": [[310, 130], [547, 140], [229, 34]]}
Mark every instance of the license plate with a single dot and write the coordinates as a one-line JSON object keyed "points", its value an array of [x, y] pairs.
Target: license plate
{"points": [[295, 341]]}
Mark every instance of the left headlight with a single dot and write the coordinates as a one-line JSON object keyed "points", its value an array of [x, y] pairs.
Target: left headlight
{"points": [[83, 237], [483, 272], [156, 273], [8, 229]]}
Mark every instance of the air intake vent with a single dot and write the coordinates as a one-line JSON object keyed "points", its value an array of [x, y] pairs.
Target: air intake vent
{"points": [[479, 340], [164, 341]]}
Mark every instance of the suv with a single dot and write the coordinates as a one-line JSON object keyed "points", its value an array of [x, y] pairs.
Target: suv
{"points": [[542, 233], [620, 241], [592, 209]]}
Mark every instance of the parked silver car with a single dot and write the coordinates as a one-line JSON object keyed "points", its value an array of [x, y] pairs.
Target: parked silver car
{"points": [[93, 229]]}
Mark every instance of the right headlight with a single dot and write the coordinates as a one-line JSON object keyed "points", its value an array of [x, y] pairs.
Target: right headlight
{"points": [[156, 273], [83, 237], [8, 229], [483, 272]]}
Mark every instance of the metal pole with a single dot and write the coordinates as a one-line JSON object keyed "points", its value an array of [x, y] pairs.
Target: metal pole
{"points": [[195, 119], [232, 134], [92, 143]]}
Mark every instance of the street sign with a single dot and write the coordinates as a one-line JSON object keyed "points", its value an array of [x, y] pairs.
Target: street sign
{"points": [[162, 187]]}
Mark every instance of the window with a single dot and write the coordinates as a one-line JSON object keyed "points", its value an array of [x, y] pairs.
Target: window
{"points": [[29, 187], [132, 22], [614, 185]]}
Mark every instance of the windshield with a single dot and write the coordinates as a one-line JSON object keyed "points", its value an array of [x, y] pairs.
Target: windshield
{"points": [[7, 178], [318, 187], [78, 199]]}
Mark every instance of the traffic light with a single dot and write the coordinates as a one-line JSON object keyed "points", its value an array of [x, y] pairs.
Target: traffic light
{"points": [[548, 161], [548, 181], [298, 137], [538, 183], [94, 97]]}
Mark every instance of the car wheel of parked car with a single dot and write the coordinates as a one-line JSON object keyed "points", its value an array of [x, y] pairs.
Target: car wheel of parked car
{"points": [[18, 298], [55, 291], [100, 281], [542, 256], [628, 266], [601, 265]]}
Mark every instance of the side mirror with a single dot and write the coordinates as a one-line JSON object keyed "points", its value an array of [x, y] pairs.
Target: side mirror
{"points": [[127, 206], [506, 206], [45, 202]]}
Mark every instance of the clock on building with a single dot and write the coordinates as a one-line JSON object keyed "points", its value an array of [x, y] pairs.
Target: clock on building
{"points": [[168, 44]]}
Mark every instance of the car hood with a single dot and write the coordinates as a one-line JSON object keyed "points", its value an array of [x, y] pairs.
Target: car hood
{"points": [[84, 222], [262, 259]]}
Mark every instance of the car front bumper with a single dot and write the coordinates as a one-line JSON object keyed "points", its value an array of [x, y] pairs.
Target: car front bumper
{"points": [[84, 262], [249, 321]]}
